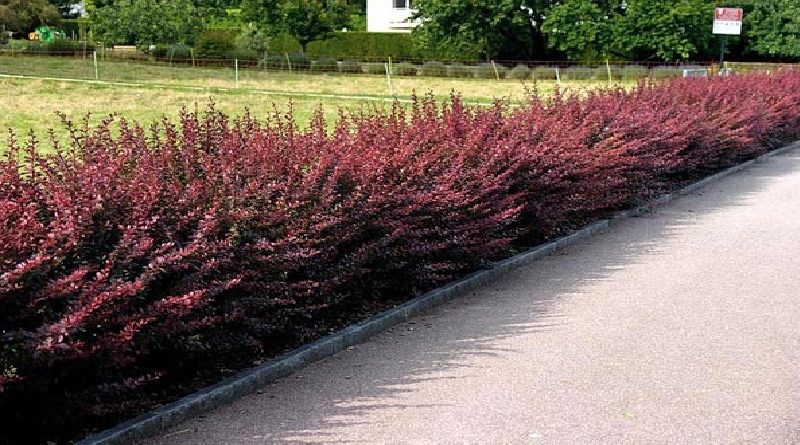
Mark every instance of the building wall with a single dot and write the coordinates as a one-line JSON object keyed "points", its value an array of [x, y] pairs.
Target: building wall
{"points": [[382, 16]]}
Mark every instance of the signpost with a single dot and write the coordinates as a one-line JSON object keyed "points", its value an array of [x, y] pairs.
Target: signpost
{"points": [[727, 22]]}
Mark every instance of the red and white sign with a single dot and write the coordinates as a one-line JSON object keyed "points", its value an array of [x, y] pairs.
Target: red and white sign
{"points": [[728, 21]]}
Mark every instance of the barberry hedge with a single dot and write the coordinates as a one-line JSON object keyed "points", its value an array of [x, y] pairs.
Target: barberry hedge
{"points": [[135, 260]]}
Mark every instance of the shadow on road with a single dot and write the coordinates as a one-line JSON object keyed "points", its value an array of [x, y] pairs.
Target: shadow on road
{"points": [[359, 388]]}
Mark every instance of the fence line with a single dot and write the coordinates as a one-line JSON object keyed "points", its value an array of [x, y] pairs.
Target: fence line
{"points": [[231, 74]]}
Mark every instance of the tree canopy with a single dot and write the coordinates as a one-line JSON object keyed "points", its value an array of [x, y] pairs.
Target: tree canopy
{"points": [[773, 27], [583, 30], [491, 28], [307, 20], [145, 22], [25, 15]]}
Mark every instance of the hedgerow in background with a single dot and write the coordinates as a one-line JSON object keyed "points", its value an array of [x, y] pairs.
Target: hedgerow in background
{"points": [[134, 261]]}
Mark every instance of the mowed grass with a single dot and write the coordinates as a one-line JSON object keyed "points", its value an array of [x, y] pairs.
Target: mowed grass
{"points": [[144, 92], [297, 82], [32, 104]]}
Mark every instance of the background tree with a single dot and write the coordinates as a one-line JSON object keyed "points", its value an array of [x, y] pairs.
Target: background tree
{"points": [[583, 29], [501, 28], [24, 16], [773, 28], [667, 30], [305, 20], [144, 22]]}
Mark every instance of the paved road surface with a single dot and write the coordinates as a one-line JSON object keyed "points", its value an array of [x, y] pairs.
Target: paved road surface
{"points": [[679, 326]]}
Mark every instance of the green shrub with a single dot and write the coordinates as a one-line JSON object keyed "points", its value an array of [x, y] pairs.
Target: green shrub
{"points": [[179, 52], [365, 45], [130, 56], [520, 72], [635, 72], [350, 66], [434, 69], [62, 48], [577, 73], [214, 44], [404, 69], [458, 69], [665, 72], [374, 68], [253, 39], [300, 61], [276, 61], [324, 65], [282, 43], [545, 73], [244, 54]]}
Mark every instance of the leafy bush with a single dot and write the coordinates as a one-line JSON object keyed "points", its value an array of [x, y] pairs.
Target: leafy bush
{"points": [[458, 69], [635, 72], [404, 69], [180, 52], [251, 38], [67, 48], [245, 55], [134, 260], [276, 62], [520, 72], [325, 64], [214, 44], [577, 73], [545, 73], [349, 66], [434, 68], [365, 45], [665, 72], [300, 61], [282, 43]]}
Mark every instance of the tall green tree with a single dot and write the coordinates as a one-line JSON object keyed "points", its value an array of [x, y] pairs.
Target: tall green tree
{"points": [[25, 15], [306, 20], [634, 29], [144, 22], [583, 29], [499, 28], [667, 30], [773, 28]]}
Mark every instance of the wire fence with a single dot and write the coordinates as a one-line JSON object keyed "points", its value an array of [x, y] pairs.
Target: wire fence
{"points": [[297, 72]]}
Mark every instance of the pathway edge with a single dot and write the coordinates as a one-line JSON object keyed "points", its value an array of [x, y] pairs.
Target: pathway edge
{"points": [[249, 380]]}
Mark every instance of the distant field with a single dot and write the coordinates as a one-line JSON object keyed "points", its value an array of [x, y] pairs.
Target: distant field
{"points": [[153, 91]]}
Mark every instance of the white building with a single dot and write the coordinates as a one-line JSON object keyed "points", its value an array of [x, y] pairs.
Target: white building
{"points": [[390, 16]]}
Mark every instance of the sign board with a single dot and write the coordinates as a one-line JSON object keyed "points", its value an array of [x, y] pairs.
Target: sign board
{"points": [[728, 21]]}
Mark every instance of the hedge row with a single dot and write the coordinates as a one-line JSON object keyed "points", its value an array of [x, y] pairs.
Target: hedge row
{"points": [[352, 45], [133, 260]]}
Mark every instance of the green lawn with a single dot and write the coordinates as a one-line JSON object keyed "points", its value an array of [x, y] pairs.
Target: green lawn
{"points": [[145, 91]]}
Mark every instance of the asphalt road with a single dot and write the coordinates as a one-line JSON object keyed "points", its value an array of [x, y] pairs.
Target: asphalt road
{"points": [[679, 326]]}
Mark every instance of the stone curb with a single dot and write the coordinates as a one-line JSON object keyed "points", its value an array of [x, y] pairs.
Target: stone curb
{"points": [[248, 381]]}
